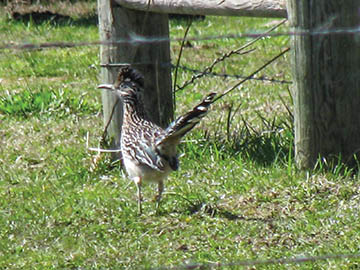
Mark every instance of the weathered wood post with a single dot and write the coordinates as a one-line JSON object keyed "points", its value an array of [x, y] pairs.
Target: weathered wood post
{"points": [[141, 39], [326, 72], [251, 8]]}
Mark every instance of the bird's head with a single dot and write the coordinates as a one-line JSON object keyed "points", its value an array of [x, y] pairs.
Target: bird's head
{"points": [[127, 86]]}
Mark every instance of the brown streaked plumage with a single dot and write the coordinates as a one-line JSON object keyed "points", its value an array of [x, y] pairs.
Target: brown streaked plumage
{"points": [[149, 152]]}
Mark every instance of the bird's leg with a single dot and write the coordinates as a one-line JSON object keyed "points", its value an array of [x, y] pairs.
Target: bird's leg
{"points": [[160, 191], [137, 181]]}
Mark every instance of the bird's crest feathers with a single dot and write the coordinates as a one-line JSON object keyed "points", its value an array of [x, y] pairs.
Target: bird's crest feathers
{"points": [[130, 75]]}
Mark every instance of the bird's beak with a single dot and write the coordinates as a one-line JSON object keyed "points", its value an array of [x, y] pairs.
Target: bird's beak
{"points": [[107, 87]]}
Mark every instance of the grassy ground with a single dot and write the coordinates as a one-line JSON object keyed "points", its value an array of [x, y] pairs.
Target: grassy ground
{"points": [[239, 194]]}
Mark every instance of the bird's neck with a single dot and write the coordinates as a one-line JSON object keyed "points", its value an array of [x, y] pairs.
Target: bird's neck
{"points": [[134, 111]]}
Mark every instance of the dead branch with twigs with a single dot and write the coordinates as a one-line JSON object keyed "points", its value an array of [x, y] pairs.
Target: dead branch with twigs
{"points": [[178, 60], [251, 75], [234, 76], [222, 58]]}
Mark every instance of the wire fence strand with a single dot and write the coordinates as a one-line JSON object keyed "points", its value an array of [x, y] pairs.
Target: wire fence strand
{"points": [[137, 39]]}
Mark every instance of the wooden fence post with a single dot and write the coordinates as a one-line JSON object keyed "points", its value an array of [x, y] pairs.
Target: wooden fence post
{"points": [[124, 30], [326, 72]]}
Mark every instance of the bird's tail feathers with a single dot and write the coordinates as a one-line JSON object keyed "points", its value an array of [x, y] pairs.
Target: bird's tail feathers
{"points": [[186, 122]]}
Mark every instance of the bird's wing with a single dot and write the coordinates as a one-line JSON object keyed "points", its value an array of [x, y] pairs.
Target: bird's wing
{"points": [[144, 151]]}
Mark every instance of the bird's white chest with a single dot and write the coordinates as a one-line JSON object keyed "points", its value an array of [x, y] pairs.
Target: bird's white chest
{"points": [[146, 173]]}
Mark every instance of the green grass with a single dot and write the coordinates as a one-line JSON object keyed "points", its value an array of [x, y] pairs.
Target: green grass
{"points": [[237, 196]]}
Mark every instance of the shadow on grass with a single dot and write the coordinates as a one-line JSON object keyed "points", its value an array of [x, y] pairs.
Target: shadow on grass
{"points": [[213, 210], [264, 148], [41, 17]]}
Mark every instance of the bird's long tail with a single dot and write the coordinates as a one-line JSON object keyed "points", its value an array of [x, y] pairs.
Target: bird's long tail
{"points": [[186, 122]]}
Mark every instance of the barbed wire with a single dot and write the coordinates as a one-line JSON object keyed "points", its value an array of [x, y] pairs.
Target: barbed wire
{"points": [[247, 263], [137, 39]]}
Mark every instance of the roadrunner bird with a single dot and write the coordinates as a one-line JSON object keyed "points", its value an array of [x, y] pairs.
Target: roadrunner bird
{"points": [[149, 152]]}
